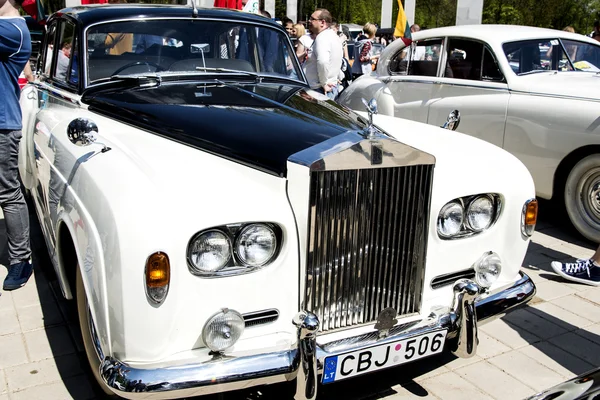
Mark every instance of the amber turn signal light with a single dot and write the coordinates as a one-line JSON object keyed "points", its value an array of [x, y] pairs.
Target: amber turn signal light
{"points": [[158, 276], [529, 217], [531, 213]]}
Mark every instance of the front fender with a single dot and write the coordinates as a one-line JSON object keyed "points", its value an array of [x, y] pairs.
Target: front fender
{"points": [[368, 87]]}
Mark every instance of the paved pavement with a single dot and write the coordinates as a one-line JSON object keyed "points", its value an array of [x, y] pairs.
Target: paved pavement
{"points": [[553, 339]]}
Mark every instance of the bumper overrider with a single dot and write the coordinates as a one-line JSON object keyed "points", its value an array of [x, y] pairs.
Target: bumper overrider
{"points": [[304, 363]]}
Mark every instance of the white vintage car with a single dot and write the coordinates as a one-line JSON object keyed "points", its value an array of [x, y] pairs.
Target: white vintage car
{"points": [[222, 226], [534, 92]]}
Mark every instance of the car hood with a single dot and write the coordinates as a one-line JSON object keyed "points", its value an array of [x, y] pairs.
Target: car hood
{"points": [[583, 85], [259, 125]]}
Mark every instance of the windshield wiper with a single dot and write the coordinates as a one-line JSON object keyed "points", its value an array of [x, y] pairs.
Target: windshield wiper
{"points": [[138, 80], [123, 82], [227, 70]]}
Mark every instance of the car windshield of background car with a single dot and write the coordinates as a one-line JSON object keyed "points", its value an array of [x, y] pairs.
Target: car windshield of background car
{"points": [[531, 56], [188, 46]]}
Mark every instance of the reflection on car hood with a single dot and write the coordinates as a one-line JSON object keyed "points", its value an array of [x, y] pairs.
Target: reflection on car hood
{"points": [[570, 84], [259, 125]]}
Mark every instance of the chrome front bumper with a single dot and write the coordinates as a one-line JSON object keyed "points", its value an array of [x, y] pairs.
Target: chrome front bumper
{"points": [[304, 362]]}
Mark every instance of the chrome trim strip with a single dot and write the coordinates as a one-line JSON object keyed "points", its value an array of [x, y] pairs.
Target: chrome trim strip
{"points": [[441, 81], [53, 91], [556, 96], [224, 373]]}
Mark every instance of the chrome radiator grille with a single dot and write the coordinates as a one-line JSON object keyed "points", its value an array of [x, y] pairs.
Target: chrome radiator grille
{"points": [[367, 240]]}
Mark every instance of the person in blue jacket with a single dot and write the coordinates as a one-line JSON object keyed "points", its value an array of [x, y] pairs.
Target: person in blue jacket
{"points": [[15, 49]]}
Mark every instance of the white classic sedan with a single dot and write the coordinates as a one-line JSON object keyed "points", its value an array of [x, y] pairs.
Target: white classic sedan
{"points": [[534, 92], [222, 226]]}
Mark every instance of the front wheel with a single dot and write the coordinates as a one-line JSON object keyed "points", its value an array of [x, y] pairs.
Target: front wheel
{"points": [[88, 332], [582, 197]]}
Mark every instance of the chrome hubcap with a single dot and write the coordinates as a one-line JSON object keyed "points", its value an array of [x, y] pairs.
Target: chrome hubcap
{"points": [[590, 196]]}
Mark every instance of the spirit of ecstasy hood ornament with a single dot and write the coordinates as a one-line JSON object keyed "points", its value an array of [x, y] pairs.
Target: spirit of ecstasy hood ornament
{"points": [[371, 109]]}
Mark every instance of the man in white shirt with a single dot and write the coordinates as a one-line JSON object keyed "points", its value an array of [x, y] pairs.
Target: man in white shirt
{"points": [[323, 65]]}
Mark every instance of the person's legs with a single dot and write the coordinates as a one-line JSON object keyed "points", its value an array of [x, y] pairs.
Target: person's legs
{"points": [[582, 271], [15, 211]]}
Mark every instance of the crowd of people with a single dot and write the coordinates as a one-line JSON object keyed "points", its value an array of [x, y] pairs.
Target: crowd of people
{"points": [[323, 51]]}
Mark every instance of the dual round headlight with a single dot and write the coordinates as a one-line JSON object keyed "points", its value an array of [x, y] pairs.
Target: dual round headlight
{"points": [[214, 250], [456, 220]]}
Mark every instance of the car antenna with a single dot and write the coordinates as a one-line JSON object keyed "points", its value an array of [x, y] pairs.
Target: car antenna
{"points": [[194, 9]]}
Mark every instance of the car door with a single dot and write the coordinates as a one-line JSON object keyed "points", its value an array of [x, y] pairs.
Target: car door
{"points": [[472, 83], [413, 74], [55, 156]]}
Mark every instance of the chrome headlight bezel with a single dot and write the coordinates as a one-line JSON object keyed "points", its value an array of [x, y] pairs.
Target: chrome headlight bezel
{"points": [[235, 264], [466, 229]]}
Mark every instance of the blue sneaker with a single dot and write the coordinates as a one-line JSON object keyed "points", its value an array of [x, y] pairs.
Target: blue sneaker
{"points": [[18, 275], [582, 271]]}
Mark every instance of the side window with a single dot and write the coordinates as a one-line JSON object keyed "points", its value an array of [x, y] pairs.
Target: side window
{"points": [[464, 59], [489, 68], [62, 69], [48, 50], [425, 57]]}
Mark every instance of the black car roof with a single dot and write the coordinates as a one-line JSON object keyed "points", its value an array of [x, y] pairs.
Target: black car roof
{"points": [[90, 14]]}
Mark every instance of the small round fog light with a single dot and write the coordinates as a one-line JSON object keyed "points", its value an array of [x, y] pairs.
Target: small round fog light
{"points": [[223, 329], [487, 269]]}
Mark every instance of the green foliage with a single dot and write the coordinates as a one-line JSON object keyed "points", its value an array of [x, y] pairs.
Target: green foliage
{"points": [[556, 14]]}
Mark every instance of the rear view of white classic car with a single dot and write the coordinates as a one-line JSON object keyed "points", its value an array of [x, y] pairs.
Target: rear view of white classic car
{"points": [[221, 226], [531, 91]]}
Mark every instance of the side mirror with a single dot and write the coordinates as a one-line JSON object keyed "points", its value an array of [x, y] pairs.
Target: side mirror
{"points": [[453, 121], [82, 132]]}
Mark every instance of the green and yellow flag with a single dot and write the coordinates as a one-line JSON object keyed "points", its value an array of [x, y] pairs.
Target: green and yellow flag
{"points": [[402, 27]]}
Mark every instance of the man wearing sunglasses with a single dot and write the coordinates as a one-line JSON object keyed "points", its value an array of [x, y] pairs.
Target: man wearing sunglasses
{"points": [[323, 66]]}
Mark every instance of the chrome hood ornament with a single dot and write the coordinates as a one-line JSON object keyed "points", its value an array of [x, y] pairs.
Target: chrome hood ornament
{"points": [[371, 109]]}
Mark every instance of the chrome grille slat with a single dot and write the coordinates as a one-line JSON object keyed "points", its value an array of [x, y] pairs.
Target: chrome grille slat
{"points": [[367, 232]]}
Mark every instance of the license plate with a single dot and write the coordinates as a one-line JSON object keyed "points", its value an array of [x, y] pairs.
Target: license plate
{"points": [[383, 356]]}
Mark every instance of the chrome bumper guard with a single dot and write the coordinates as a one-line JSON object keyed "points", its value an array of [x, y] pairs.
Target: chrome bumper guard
{"points": [[304, 362]]}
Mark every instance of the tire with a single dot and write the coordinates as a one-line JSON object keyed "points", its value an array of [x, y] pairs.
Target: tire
{"points": [[582, 197], [85, 324]]}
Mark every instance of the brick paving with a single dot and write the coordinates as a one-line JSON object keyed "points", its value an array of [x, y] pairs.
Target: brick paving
{"points": [[554, 338]]}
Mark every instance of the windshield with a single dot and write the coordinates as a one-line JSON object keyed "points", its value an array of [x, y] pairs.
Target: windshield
{"points": [[531, 56], [188, 46]]}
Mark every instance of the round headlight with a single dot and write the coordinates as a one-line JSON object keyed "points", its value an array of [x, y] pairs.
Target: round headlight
{"points": [[210, 251], [487, 269], [223, 329], [450, 219], [255, 245], [480, 213]]}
